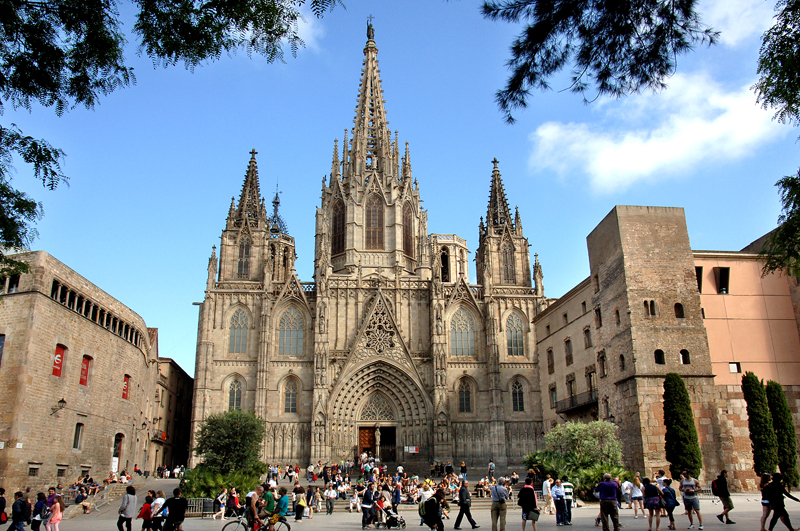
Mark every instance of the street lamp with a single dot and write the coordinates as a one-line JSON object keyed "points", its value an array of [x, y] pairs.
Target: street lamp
{"points": [[59, 406]]}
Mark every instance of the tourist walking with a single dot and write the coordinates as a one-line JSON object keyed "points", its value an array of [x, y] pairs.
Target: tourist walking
{"points": [[432, 514], [499, 506], [146, 513], [547, 499], [127, 509], [36, 523], [691, 502], [637, 496], [56, 512], [670, 501], [157, 504], [530, 506], [21, 512], [465, 506], [491, 469], [765, 508], [222, 500], [330, 498], [627, 490], [367, 504], [300, 502], [775, 493], [720, 488], [606, 492], [176, 511], [652, 502]]}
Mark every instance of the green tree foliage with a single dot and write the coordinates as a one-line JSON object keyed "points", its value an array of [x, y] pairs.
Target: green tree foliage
{"points": [[231, 442], [681, 443], [759, 418], [66, 53], [581, 451], [614, 48], [203, 483], [784, 430]]}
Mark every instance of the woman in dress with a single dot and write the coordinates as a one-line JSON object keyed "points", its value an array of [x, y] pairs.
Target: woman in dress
{"points": [[57, 512], [652, 502], [670, 501], [530, 505]]}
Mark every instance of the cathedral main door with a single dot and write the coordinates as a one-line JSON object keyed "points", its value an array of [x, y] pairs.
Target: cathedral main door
{"points": [[366, 440]]}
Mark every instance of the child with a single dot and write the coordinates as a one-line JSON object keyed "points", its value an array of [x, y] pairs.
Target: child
{"points": [[57, 512], [146, 514]]}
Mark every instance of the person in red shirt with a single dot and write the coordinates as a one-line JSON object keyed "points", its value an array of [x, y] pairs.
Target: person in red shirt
{"points": [[146, 513]]}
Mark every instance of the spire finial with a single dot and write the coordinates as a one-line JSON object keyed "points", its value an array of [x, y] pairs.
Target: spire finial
{"points": [[253, 153], [370, 30], [495, 162]]}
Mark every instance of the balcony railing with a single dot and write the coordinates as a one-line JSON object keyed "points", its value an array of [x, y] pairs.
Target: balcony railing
{"points": [[576, 401]]}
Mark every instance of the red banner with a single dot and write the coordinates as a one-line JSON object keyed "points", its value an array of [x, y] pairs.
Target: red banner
{"points": [[125, 387], [85, 370], [58, 361]]}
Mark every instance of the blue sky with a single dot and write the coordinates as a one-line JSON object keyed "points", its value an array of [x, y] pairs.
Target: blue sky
{"points": [[154, 167]]}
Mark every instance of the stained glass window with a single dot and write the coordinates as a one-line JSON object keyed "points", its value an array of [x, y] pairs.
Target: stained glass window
{"points": [[462, 334], [374, 223], [337, 232], [517, 396], [244, 259], [235, 395], [464, 397], [514, 336], [508, 264], [290, 397], [238, 341], [408, 225], [290, 333]]}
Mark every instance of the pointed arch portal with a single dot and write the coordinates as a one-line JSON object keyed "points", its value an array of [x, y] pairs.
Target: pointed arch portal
{"points": [[380, 407]]}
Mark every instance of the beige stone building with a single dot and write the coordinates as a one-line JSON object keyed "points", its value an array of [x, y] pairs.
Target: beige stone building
{"points": [[390, 349], [652, 305], [78, 376]]}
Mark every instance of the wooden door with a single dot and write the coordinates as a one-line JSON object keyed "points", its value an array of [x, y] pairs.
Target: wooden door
{"points": [[366, 440]]}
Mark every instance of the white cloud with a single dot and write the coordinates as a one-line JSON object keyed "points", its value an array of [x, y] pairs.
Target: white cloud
{"points": [[647, 137], [310, 29], [737, 19]]}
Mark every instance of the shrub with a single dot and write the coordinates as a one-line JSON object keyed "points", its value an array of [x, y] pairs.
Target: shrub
{"points": [[762, 432]]}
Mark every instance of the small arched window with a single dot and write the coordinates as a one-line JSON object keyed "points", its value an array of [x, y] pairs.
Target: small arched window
{"points": [[601, 363], [551, 363], [290, 333], [685, 358], [374, 223], [514, 336], [464, 397], [408, 231], [235, 395], [445, 265], [508, 263], [290, 397], [679, 310], [617, 319], [462, 334], [622, 363], [659, 357], [337, 230], [517, 396], [244, 258], [238, 340]]}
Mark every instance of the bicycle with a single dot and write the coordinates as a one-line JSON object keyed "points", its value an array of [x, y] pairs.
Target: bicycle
{"points": [[240, 524]]}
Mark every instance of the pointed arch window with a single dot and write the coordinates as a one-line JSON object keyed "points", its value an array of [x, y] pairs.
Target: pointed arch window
{"points": [[445, 265], [337, 230], [374, 223], [514, 336], [464, 397], [235, 395], [290, 397], [508, 264], [243, 270], [408, 225], [462, 334], [238, 340], [290, 333], [517, 396]]}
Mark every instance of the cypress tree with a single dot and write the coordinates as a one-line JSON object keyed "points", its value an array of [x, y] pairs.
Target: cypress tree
{"points": [[762, 432], [784, 430], [681, 443]]}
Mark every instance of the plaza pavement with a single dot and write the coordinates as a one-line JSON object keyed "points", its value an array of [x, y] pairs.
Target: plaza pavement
{"points": [[746, 514]]}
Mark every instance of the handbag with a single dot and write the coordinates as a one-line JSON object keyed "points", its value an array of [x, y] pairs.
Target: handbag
{"points": [[302, 502], [3, 517], [533, 516]]}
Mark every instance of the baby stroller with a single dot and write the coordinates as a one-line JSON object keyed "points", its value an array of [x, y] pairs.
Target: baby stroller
{"points": [[390, 518]]}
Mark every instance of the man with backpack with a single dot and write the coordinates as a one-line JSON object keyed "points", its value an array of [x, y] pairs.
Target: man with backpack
{"points": [[431, 511], [20, 512], [719, 488]]}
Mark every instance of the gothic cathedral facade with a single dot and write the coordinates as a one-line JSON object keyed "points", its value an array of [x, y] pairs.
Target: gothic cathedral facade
{"points": [[390, 349]]}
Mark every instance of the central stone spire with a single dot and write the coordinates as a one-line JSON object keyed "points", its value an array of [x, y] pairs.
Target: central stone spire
{"points": [[371, 148]]}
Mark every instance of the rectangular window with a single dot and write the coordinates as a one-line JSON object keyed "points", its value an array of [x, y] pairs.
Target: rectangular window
{"points": [[598, 318], [583, 307], [78, 437], [547, 330], [13, 283], [553, 396], [550, 362], [587, 337], [125, 384], [568, 351], [735, 367], [698, 271], [2, 346], [58, 360], [61, 472], [596, 283], [33, 471], [85, 362], [566, 318], [570, 388], [591, 380], [723, 277]]}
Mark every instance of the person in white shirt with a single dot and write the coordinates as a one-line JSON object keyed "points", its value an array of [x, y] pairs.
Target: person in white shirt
{"points": [[627, 489], [549, 507], [637, 497], [330, 498]]}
